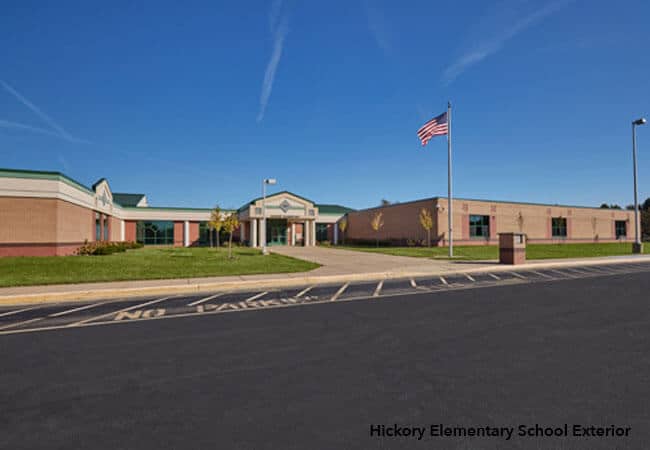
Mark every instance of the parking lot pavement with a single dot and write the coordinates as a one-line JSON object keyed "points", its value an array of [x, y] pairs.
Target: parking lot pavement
{"points": [[101, 312]]}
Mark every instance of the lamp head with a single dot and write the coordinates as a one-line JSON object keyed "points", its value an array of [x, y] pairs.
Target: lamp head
{"points": [[640, 121], [270, 181]]}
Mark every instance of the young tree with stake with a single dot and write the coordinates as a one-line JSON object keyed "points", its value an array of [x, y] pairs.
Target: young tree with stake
{"points": [[377, 223], [427, 223]]}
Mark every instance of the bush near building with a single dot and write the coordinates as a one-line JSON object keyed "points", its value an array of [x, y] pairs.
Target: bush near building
{"points": [[106, 248]]}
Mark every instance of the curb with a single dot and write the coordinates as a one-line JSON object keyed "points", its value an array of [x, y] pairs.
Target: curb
{"points": [[194, 288]]}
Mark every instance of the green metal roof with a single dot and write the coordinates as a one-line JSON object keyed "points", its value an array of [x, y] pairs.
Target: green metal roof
{"points": [[127, 199], [333, 209]]}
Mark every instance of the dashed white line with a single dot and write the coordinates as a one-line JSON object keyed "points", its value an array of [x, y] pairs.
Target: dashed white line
{"points": [[469, 277], [521, 277], [63, 313], [18, 311], [304, 291], [24, 322], [256, 296], [541, 274], [494, 276], [101, 316], [339, 292], [563, 274], [378, 288], [205, 299], [442, 279]]}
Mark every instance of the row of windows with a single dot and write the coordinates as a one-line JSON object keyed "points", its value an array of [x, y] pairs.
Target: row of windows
{"points": [[479, 227], [158, 232]]}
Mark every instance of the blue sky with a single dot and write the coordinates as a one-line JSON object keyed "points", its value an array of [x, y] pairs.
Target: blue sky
{"points": [[194, 103]]}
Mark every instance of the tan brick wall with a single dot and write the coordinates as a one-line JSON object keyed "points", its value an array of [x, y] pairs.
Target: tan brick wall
{"points": [[115, 229], [401, 222], [73, 223], [27, 220]]}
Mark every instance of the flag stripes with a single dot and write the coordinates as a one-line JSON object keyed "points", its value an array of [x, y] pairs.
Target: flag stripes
{"points": [[437, 126]]}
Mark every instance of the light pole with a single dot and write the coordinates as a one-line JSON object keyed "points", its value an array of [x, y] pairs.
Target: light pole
{"points": [[263, 230], [637, 247]]}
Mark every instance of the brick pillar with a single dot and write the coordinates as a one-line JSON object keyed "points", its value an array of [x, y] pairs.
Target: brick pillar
{"points": [[178, 234]]}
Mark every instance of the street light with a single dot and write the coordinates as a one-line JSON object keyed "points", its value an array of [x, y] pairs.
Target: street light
{"points": [[266, 181], [637, 247]]}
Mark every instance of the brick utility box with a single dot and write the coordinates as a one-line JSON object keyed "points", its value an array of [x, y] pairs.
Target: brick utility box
{"points": [[512, 248]]}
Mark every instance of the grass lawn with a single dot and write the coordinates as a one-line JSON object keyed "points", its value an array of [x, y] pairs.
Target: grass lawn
{"points": [[144, 264], [533, 251]]}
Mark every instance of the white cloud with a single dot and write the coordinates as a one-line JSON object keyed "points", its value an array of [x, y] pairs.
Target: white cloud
{"points": [[279, 28], [58, 130], [491, 45]]}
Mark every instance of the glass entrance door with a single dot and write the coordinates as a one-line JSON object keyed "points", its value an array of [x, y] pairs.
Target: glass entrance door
{"points": [[276, 232]]}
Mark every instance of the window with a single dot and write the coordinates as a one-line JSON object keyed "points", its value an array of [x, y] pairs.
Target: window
{"points": [[159, 232], [106, 236], [321, 232], [98, 227], [558, 227], [479, 226], [621, 229]]}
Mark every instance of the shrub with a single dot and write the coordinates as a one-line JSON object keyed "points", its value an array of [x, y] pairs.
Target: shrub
{"points": [[106, 248]]}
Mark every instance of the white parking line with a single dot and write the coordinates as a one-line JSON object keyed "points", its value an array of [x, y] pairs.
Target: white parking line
{"points": [[63, 313], [469, 277], [255, 297], [494, 276], [81, 322], [521, 277], [413, 284], [24, 322], [339, 292], [378, 288], [203, 300], [304, 291], [541, 274], [18, 311], [563, 274], [442, 279]]}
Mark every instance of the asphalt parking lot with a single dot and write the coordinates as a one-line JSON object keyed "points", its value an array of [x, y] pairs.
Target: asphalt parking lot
{"points": [[534, 349], [105, 312]]}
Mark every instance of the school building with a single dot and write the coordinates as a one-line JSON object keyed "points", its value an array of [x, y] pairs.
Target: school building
{"points": [[47, 213]]}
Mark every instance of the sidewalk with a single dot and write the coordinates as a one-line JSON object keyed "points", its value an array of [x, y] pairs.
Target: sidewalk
{"points": [[361, 272]]}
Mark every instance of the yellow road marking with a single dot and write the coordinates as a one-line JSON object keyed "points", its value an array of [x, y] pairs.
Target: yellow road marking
{"points": [[378, 288], [339, 292], [198, 302], [82, 322]]}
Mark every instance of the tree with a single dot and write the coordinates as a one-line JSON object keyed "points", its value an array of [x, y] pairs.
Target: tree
{"points": [[343, 225], [427, 223], [385, 202], [604, 206], [646, 204], [215, 223], [230, 224], [376, 223]]}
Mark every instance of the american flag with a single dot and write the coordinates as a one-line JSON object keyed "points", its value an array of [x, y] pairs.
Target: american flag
{"points": [[435, 127]]}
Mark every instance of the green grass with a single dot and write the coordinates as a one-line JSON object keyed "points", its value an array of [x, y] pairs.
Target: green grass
{"points": [[533, 251], [144, 264]]}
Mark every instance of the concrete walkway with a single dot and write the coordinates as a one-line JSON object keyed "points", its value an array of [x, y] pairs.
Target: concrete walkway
{"points": [[345, 262], [337, 266]]}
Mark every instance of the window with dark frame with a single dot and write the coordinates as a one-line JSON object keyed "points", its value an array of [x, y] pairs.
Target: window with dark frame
{"points": [[98, 228], [621, 228], [479, 226], [558, 227]]}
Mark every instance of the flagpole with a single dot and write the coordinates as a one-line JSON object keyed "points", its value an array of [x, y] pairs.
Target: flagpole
{"points": [[449, 197]]}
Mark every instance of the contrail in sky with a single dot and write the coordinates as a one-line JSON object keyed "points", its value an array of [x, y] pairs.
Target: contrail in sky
{"points": [[279, 33]]}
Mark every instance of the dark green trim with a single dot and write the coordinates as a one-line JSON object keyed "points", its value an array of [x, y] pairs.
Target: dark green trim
{"points": [[170, 208], [333, 209], [125, 199]]}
